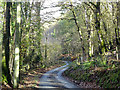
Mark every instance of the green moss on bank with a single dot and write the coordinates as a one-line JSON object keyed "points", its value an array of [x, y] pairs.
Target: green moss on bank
{"points": [[105, 76]]}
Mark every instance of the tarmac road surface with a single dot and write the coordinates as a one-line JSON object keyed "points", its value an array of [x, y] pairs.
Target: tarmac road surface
{"points": [[54, 79]]}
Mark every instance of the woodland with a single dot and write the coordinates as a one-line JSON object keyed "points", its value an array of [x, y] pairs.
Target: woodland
{"points": [[86, 34]]}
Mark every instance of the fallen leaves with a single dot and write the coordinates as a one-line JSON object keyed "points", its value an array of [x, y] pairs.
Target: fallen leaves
{"points": [[32, 79]]}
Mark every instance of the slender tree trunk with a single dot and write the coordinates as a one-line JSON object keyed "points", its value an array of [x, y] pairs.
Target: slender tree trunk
{"points": [[38, 26], [107, 45], [97, 23], [21, 33], [91, 35], [117, 43], [13, 12], [17, 41], [46, 49], [0, 58], [6, 39], [117, 26], [30, 8], [117, 31], [88, 26], [118, 21], [99, 32], [1, 38]]}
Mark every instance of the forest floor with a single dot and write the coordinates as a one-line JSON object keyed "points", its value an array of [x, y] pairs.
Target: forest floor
{"points": [[31, 79]]}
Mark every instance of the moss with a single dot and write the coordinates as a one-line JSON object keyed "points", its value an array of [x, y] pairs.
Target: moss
{"points": [[104, 77], [4, 78]]}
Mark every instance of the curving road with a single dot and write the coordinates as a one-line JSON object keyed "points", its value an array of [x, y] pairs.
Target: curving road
{"points": [[54, 79]]}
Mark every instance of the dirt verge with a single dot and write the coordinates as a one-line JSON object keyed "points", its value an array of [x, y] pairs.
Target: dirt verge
{"points": [[30, 79]]}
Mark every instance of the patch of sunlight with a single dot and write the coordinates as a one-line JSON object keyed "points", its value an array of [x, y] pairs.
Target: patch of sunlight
{"points": [[50, 83], [48, 74], [18, 13], [40, 73], [78, 63], [34, 72], [17, 50], [47, 87], [113, 66], [15, 82], [31, 74]]}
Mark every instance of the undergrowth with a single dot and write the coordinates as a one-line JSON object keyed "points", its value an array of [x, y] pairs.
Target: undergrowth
{"points": [[105, 74]]}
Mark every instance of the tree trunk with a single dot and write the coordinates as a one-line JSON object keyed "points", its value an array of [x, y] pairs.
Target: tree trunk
{"points": [[46, 49], [16, 61], [6, 39], [1, 38], [107, 45], [97, 23], [38, 4], [88, 26], [117, 26], [80, 33], [99, 32], [117, 31], [21, 34]]}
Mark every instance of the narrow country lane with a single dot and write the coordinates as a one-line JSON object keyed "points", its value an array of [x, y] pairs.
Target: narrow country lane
{"points": [[54, 79]]}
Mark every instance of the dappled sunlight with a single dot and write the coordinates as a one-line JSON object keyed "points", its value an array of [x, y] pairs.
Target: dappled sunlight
{"points": [[41, 41], [49, 82], [54, 78]]}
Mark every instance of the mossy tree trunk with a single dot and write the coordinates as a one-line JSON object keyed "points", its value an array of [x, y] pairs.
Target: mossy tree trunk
{"points": [[101, 42], [6, 41], [1, 38], [116, 22], [79, 32], [90, 33], [117, 31], [17, 41]]}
